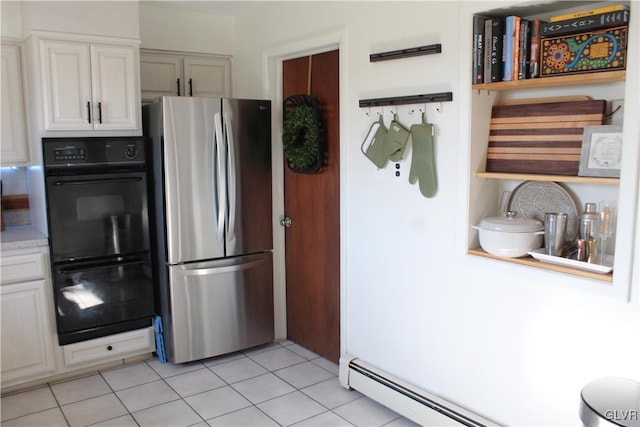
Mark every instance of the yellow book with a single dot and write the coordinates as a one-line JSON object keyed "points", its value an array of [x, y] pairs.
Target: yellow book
{"points": [[604, 9]]}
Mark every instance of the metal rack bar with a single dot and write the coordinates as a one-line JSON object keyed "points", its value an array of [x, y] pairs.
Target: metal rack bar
{"points": [[410, 99], [406, 53]]}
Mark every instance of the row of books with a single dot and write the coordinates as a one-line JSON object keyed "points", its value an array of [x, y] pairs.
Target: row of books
{"points": [[507, 48]]}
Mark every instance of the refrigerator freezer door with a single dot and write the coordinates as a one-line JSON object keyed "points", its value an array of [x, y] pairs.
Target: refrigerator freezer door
{"points": [[193, 202], [220, 306], [247, 130]]}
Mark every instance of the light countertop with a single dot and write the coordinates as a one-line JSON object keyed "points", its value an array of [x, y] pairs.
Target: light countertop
{"points": [[20, 237]]}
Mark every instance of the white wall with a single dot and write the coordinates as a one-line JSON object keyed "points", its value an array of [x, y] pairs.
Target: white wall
{"points": [[512, 343], [100, 18], [182, 30], [11, 26]]}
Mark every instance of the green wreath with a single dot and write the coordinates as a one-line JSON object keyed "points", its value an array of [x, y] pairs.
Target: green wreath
{"points": [[300, 138]]}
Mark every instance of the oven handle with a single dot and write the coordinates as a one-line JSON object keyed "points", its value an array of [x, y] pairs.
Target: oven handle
{"points": [[101, 266], [97, 181]]}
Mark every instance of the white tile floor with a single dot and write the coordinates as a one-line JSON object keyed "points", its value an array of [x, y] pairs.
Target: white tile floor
{"points": [[277, 384]]}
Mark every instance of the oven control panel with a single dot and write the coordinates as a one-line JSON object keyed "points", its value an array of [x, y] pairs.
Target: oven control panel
{"points": [[69, 153], [89, 152]]}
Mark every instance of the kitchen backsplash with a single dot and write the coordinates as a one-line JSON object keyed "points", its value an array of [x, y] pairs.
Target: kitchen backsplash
{"points": [[15, 202]]}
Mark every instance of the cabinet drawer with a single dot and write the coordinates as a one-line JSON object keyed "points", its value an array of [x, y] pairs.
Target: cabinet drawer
{"points": [[110, 348], [20, 268]]}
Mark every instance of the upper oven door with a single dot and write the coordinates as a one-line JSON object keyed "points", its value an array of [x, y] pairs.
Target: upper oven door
{"points": [[97, 215]]}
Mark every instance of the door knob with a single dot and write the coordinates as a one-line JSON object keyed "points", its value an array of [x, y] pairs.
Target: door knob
{"points": [[286, 222]]}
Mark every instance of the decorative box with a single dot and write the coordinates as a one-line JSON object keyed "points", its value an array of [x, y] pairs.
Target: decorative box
{"points": [[600, 50], [540, 138]]}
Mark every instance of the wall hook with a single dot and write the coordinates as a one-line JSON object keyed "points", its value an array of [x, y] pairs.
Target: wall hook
{"points": [[439, 107]]}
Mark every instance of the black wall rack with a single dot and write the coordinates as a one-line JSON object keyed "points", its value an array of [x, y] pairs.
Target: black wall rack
{"points": [[406, 53], [410, 99]]}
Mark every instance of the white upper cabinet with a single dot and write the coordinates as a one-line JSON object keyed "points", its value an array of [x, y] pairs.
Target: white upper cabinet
{"points": [[13, 145], [160, 75], [208, 77], [89, 86], [176, 74], [66, 74], [114, 89]]}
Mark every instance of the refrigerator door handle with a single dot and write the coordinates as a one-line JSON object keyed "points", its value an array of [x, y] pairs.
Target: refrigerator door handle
{"points": [[231, 171], [219, 270], [221, 175]]}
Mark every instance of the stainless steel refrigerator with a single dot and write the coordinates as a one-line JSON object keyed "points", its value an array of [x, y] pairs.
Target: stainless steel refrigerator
{"points": [[213, 238]]}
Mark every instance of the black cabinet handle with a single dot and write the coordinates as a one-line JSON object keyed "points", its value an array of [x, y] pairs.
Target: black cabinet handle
{"points": [[88, 112], [109, 348], [190, 87], [178, 84], [100, 112]]}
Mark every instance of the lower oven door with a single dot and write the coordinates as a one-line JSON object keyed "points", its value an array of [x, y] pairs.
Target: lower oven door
{"points": [[100, 298]]}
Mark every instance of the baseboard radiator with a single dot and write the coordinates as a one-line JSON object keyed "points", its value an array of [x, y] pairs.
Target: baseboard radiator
{"points": [[418, 405]]}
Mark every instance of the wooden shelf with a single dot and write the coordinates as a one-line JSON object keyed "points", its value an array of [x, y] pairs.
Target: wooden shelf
{"points": [[554, 178], [529, 261], [543, 82]]}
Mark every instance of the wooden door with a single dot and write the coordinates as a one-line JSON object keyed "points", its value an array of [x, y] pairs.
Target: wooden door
{"points": [[312, 201]]}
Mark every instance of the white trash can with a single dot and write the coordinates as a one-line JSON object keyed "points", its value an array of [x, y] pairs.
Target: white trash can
{"points": [[611, 402]]}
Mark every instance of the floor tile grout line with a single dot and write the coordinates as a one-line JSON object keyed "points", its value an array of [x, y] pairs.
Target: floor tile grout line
{"points": [[33, 413], [284, 367], [244, 379], [119, 400], [253, 405], [328, 410], [184, 399]]}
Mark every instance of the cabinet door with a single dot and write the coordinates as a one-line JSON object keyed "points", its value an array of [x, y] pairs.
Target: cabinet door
{"points": [[13, 142], [26, 335], [208, 77], [113, 76], [160, 75], [66, 85]]}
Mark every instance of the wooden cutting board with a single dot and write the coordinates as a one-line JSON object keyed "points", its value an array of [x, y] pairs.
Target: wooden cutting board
{"points": [[540, 138]]}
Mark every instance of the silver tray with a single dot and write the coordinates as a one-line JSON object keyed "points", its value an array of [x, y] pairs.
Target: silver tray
{"points": [[532, 199]]}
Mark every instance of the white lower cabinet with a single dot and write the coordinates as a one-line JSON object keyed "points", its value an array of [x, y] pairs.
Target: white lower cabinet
{"points": [[25, 329], [26, 341], [107, 349]]}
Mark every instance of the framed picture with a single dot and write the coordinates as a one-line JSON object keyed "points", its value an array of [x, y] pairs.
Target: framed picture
{"points": [[601, 151]]}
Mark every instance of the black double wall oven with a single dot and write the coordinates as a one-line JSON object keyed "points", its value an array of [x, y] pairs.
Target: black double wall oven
{"points": [[98, 219]]}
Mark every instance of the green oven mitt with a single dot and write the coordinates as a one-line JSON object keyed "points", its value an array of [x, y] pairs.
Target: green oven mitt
{"points": [[374, 144], [422, 160], [396, 141]]}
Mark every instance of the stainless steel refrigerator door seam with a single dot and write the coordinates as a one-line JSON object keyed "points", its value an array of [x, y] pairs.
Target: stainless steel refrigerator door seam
{"points": [[231, 222]]}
